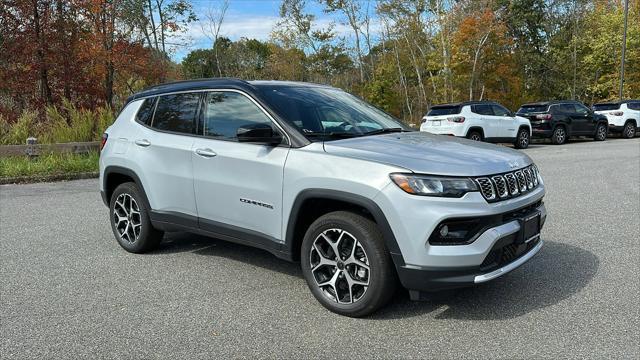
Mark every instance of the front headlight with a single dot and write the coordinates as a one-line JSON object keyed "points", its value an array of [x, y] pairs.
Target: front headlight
{"points": [[431, 185]]}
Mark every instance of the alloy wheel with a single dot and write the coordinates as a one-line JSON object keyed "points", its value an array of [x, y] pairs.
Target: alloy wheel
{"points": [[602, 132], [524, 139], [475, 137], [126, 217], [629, 131], [560, 135], [340, 266]]}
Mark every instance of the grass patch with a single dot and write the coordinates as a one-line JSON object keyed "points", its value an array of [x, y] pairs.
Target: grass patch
{"points": [[51, 164]]}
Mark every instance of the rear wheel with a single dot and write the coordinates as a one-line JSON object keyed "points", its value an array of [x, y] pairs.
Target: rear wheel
{"points": [[522, 139], [346, 265], [601, 132], [130, 220], [629, 130], [474, 135], [559, 136]]}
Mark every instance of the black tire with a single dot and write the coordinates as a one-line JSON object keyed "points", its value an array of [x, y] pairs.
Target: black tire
{"points": [[523, 138], [601, 132], [559, 136], [475, 135], [381, 275], [147, 237], [629, 130]]}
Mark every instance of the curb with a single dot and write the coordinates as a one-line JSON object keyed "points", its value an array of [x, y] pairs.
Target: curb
{"points": [[48, 178]]}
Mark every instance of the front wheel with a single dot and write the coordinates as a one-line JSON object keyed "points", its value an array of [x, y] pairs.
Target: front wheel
{"points": [[522, 139], [346, 264], [601, 133], [629, 130], [130, 220]]}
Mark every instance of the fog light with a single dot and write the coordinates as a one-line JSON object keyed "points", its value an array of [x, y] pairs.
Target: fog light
{"points": [[444, 230]]}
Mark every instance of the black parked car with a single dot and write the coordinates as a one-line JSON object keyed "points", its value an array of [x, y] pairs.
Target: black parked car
{"points": [[560, 120]]}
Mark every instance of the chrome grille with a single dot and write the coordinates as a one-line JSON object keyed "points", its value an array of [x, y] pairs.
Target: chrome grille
{"points": [[522, 182], [508, 185], [500, 186], [486, 188], [512, 183]]}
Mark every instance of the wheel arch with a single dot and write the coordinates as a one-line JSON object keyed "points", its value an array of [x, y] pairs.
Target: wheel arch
{"points": [[116, 175], [475, 128], [313, 203]]}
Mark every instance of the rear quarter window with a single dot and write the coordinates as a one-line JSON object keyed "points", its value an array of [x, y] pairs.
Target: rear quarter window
{"points": [[634, 105], [444, 110], [145, 112]]}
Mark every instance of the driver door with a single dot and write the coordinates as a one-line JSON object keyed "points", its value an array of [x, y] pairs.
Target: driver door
{"points": [[237, 184]]}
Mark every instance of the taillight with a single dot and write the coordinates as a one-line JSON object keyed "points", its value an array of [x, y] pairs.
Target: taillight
{"points": [[105, 136], [456, 119], [617, 113], [424, 120], [543, 117]]}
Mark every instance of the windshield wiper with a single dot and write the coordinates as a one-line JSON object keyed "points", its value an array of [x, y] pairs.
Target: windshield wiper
{"points": [[385, 131], [330, 134]]}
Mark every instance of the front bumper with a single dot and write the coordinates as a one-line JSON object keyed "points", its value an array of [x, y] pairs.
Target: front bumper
{"points": [[505, 253]]}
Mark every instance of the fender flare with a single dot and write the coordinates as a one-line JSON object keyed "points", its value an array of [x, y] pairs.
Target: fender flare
{"points": [[358, 200]]}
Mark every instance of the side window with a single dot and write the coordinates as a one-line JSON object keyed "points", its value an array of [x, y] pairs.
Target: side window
{"points": [[500, 111], [145, 113], [225, 112], [581, 109], [633, 105], [566, 108], [482, 109], [176, 113]]}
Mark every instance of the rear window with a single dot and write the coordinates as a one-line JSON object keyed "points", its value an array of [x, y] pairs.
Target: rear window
{"points": [[444, 110], [525, 109], [605, 107], [176, 113]]}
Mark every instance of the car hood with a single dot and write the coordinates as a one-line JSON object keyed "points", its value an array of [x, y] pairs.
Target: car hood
{"points": [[431, 154]]}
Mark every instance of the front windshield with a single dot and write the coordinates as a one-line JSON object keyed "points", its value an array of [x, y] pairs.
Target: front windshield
{"points": [[321, 113]]}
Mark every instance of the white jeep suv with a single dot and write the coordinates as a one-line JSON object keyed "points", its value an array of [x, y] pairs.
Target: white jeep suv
{"points": [[316, 175], [478, 120], [623, 117]]}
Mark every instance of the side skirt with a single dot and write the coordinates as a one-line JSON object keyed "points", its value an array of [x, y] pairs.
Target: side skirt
{"points": [[174, 221]]}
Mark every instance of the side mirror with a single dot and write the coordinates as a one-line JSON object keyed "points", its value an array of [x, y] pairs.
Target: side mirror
{"points": [[258, 133]]}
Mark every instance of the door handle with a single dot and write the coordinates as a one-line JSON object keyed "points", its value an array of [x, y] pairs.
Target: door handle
{"points": [[206, 153], [142, 142]]}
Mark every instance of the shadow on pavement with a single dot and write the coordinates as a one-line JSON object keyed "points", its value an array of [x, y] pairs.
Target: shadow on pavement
{"points": [[555, 274], [558, 272]]}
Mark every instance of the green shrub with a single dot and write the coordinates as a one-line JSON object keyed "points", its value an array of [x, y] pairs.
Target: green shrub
{"points": [[65, 123], [20, 130], [49, 164]]}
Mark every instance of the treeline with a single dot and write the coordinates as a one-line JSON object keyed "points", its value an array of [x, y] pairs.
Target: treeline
{"points": [[401, 55]]}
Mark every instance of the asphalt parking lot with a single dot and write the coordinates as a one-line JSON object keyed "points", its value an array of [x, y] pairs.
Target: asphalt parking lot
{"points": [[67, 290]]}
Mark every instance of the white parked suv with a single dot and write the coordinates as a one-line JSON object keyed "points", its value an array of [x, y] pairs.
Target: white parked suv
{"points": [[623, 117], [313, 174], [478, 120]]}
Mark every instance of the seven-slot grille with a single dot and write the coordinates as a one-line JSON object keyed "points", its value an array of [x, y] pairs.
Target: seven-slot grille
{"points": [[509, 185]]}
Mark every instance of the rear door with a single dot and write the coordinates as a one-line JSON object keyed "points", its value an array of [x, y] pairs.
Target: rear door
{"points": [[238, 186], [584, 123], [507, 125], [164, 150], [489, 122]]}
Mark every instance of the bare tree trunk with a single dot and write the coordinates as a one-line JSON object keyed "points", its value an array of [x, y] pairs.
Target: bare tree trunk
{"points": [[483, 40], [402, 78], [211, 30], [153, 26], [162, 25], [45, 91], [417, 69], [367, 36]]}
